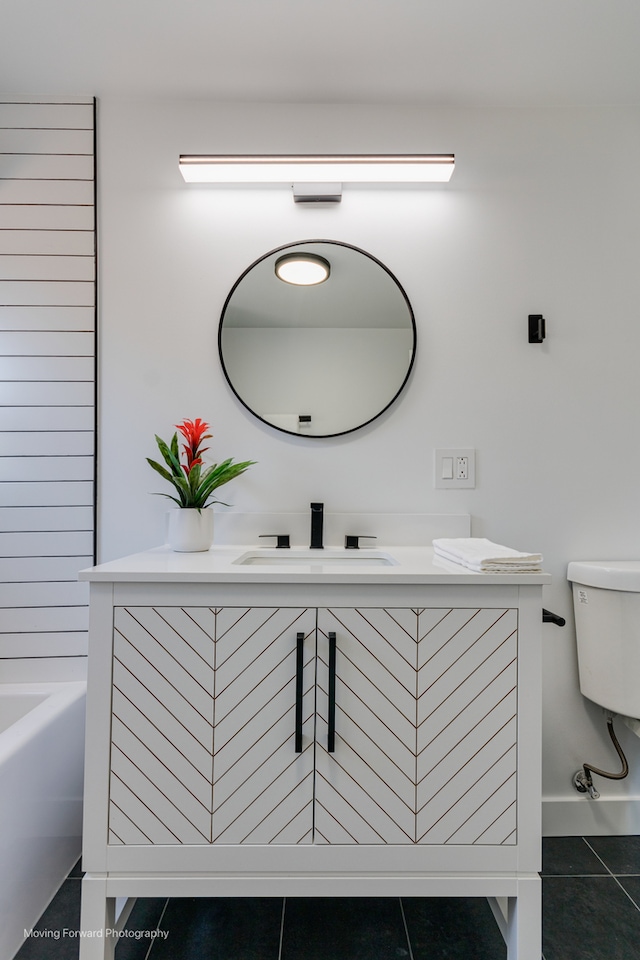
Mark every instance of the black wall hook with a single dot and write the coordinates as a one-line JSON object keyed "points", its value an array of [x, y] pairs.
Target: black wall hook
{"points": [[537, 328]]}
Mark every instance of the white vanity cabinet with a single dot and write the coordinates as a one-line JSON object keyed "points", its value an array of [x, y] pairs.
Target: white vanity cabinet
{"points": [[313, 737]]}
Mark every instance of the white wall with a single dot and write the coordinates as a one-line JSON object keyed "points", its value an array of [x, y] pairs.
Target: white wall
{"points": [[542, 216]]}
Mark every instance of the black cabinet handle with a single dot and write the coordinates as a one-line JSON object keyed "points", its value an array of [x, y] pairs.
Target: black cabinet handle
{"points": [[299, 691], [331, 720]]}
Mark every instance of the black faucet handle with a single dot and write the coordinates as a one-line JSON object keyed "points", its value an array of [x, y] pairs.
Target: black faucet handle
{"points": [[283, 539], [352, 540]]}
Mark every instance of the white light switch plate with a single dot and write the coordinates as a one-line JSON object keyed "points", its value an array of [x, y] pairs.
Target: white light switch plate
{"points": [[455, 468]]}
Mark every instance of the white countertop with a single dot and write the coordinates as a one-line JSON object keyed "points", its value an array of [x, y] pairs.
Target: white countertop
{"points": [[411, 565]]}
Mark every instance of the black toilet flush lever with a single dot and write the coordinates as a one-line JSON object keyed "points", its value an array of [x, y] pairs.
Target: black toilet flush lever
{"points": [[549, 617]]}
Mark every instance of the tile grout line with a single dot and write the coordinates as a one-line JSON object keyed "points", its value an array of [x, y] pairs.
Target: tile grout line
{"points": [[406, 929], [160, 919], [611, 874], [626, 892], [284, 903]]}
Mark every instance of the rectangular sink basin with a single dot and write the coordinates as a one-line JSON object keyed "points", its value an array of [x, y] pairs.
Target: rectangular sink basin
{"points": [[292, 557]]}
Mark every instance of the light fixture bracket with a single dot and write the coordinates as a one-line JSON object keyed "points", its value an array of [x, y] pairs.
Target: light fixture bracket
{"points": [[317, 192]]}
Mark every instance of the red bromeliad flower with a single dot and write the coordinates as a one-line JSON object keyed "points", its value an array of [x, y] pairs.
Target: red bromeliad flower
{"points": [[193, 483], [194, 433]]}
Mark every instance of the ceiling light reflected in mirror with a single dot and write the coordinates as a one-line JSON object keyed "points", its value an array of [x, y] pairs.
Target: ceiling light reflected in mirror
{"points": [[302, 269]]}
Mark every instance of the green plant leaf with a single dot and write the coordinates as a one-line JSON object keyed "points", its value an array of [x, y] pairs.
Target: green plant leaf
{"points": [[169, 497], [161, 470], [171, 458], [194, 478], [184, 490], [220, 474]]}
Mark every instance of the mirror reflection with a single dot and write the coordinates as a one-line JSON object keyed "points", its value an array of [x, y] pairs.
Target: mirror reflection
{"points": [[317, 357]]}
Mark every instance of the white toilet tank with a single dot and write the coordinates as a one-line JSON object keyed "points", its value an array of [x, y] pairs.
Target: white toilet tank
{"points": [[606, 602]]}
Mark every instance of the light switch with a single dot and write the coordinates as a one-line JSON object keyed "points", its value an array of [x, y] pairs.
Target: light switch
{"points": [[447, 468]]}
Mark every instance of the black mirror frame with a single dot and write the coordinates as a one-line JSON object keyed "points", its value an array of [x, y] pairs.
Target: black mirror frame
{"points": [[359, 426]]}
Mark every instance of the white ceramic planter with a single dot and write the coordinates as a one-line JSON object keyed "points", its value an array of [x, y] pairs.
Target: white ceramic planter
{"points": [[190, 530]]}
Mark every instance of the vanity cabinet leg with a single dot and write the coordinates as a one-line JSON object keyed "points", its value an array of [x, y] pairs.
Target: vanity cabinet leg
{"points": [[97, 920], [524, 921]]}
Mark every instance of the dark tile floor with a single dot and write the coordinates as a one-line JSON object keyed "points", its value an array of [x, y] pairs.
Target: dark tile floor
{"points": [[591, 911]]}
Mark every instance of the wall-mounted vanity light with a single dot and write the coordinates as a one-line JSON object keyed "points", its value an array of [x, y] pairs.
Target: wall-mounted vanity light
{"points": [[325, 174], [302, 269]]}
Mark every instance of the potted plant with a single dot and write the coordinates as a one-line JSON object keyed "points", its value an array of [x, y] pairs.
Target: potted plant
{"points": [[191, 526]]}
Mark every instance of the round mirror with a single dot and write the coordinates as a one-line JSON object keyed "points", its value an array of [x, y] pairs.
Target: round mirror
{"points": [[317, 338]]}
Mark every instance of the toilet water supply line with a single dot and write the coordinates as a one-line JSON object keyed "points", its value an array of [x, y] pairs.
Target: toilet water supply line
{"points": [[583, 781]]}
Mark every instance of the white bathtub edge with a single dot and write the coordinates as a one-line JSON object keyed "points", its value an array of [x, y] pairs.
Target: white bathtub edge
{"points": [[60, 695]]}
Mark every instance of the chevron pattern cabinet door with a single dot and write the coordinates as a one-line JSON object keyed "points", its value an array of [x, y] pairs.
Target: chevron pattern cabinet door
{"points": [[466, 747], [162, 726], [263, 789], [365, 790], [204, 726]]}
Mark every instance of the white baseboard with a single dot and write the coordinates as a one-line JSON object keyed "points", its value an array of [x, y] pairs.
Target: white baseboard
{"points": [[581, 816]]}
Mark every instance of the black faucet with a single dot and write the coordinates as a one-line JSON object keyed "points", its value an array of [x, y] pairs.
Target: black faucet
{"points": [[317, 517]]}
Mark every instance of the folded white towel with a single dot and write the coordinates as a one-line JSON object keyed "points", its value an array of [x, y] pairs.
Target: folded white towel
{"points": [[484, 556]]}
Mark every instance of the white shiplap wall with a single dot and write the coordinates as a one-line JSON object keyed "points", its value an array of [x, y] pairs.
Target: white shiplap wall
{"points": [[47, 382]]}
